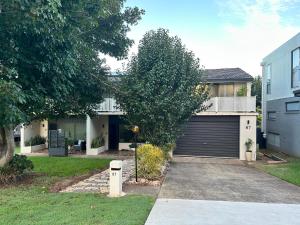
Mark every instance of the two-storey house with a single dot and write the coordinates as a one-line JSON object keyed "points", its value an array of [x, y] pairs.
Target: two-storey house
{"points": [[220, 131]]}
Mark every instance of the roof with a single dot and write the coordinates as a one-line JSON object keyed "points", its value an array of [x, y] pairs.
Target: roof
{"points": [[226, 75]]}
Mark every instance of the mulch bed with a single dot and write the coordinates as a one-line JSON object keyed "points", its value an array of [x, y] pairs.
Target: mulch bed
{"points": [[155, 182], [25, 179]]}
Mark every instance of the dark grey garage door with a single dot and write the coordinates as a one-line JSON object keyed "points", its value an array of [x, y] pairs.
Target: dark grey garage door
{"points": [[210, 136]]}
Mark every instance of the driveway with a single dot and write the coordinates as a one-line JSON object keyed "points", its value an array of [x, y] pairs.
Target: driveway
{"points": [[224, 180], [199, 191]]}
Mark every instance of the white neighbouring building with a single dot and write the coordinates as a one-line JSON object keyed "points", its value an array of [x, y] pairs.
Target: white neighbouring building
{"points": [[281, 97]]}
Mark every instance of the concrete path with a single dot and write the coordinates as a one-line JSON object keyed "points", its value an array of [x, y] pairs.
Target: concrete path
{"points": [[202, 212], [224, 180], [100, 182]]}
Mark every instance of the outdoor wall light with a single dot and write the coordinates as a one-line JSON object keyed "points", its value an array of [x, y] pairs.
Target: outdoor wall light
{"points": [[135, 129], [248, 122]]}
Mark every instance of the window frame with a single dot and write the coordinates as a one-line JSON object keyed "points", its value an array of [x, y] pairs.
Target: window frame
{"points": [[271, 112], [292, 69], [291, 111], [268, 78]]}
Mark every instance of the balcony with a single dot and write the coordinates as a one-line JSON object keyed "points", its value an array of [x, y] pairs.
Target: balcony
{"points": [[218, 104], [232, 104], [108, 105]]}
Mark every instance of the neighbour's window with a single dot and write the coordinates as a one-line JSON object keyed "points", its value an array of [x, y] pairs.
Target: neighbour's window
{"points": [[273, 139], [268, 75], [296, 68], [271, 115], [292, 106]]}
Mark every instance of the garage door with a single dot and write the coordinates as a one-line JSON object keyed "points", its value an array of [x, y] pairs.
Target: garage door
{"points": [[216, 136]]}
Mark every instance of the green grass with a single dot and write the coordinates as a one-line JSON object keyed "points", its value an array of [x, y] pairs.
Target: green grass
{"points": [[33, 204], [23, 207], [17, 150], [67, 166], [289, 171]]}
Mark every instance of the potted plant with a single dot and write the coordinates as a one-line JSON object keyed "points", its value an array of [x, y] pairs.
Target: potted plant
{"points": [[34, 144], [97, 146], [249, 144]]}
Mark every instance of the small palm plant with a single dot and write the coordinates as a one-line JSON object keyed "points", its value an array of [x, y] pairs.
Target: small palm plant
{"points": [[249, 144]]}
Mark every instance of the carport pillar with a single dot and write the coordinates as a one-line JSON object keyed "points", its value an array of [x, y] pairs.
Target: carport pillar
{"points": [[247, 130]]}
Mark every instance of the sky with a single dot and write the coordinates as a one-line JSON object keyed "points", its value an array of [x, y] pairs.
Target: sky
{"points": [[221, 33]]}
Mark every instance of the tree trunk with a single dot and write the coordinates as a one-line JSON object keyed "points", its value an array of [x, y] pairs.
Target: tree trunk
{"points": [[7, 145]]}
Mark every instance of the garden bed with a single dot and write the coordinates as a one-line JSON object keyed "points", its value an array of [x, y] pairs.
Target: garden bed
{"points": [[95, 151]]}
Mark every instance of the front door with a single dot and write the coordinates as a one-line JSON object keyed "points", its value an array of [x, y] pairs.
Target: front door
{"points": [[113, 132]]}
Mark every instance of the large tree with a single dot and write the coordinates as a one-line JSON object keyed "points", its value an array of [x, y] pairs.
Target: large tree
{"points": [[49, 58], [162, 87]]}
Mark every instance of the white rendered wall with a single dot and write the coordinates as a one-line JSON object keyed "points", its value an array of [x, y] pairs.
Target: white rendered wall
{"points": [[280, 60], [31, 130], [247, 130], [95, 127]]}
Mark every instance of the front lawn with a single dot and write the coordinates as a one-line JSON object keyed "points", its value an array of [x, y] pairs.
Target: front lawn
{"points": [[289, 171], [34, 204], [67, 166]]}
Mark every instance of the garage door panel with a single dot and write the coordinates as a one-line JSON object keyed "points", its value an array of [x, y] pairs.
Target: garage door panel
{"points": [[210, 136]]}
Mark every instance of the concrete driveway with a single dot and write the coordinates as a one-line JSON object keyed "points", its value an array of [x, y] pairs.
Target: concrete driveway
{"points": [[224, 180], [199, 191]]}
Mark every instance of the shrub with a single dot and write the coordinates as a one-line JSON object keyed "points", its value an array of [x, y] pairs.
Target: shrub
{"points": [[150, 161], [37, 140], [98, 142], [16, 167], [167, 148]]}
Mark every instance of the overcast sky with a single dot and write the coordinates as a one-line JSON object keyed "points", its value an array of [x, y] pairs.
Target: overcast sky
{"points": [[222, 33]]}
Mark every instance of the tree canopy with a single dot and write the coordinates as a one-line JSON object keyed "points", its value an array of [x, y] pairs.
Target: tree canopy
{"points": [[49, 56], [162, 87], [256, 90]]}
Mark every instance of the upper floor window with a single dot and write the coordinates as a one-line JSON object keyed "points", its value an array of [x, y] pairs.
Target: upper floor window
{"points": [[296, 68], [226, 90], [292, 106], [268, 75]]}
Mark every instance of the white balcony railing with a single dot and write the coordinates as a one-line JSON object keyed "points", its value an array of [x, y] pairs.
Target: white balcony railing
{"points": [[218, 104], [232, 104], [108, 105]]}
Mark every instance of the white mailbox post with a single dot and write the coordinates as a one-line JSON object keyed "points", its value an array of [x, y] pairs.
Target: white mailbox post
{"points": [[115, 179]]}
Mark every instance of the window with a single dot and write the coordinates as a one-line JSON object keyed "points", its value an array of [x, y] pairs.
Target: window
{"points": [[226, 90], [271, 115], [296, 68], [268, 75], [292, 106], [273, 139]]}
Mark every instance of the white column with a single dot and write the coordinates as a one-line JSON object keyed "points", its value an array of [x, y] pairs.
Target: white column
{"points": [[216, 104], [247, 130], [88, 132], [248, 88], [22, 138]]}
